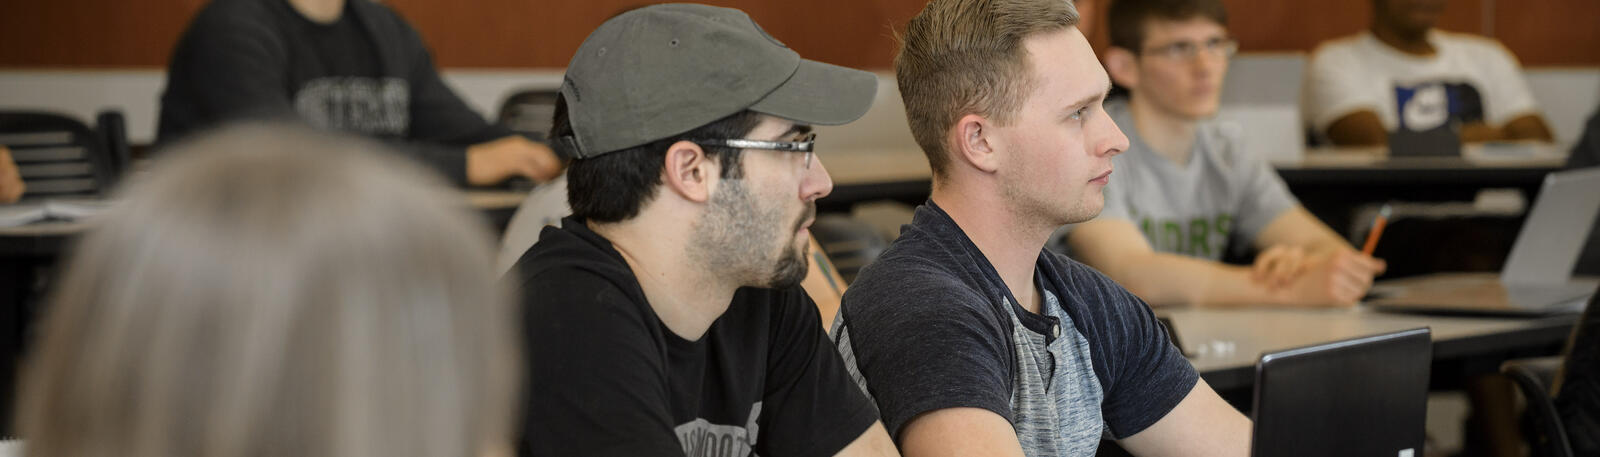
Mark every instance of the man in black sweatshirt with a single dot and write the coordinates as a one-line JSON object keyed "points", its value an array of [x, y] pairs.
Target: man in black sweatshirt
{"points": [[346, 65], [664, 317]]}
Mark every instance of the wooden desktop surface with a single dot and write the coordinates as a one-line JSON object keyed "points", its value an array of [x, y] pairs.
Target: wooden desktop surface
{"points": [[47, 238], [853, 167], [1329, 182], [1226, 343]]}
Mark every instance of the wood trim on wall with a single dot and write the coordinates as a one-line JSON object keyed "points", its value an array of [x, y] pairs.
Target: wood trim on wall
{"points": [[855, 33]]}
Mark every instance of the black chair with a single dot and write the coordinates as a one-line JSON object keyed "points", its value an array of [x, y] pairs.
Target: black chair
{"points": [[114, 135], [1543, 429], [849, 242], [1577, 375], [59, 156], [530, 112]]}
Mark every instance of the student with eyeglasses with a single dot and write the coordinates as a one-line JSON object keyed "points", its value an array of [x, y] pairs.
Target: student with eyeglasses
{"points": [[665, 317], [1185, 192]]}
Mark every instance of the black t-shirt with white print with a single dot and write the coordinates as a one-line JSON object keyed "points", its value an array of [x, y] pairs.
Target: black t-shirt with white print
{"points": [[606, 377], [366, 73]]}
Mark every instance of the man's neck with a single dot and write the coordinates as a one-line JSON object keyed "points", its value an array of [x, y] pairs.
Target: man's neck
{"points": [[1409, 42], [687, 298], [319, 11], [1010, 243], [1169, 135]]}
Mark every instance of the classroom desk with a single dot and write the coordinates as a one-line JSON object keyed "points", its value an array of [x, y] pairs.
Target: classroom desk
{"points": [[31, 252], [1461, 345], [862, 175], [1332, 183], [1329, 181], [49, 238]]}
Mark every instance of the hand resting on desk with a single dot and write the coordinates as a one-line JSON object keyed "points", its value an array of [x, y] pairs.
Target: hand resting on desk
{"points": [[11, 185], [495, 161], [1337, 278], [1302, 263]]}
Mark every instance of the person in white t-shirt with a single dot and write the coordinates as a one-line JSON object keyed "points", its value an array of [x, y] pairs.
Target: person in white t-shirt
{"points": [[1404, 74], [1185, 192]]}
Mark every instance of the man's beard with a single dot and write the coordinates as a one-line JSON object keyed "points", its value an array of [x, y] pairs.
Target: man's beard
{"points": [[736, 238]]}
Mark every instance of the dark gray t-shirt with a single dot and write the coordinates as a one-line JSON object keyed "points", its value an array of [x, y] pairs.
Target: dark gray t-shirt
{"points": [[930, 325], [1219, 201]]}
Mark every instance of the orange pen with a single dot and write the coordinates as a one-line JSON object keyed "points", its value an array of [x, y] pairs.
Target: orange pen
{"points": [[1377, 230]]}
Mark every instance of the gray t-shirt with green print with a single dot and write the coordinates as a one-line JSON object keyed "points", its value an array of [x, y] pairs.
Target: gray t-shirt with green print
{"points": [[1220, 200]]}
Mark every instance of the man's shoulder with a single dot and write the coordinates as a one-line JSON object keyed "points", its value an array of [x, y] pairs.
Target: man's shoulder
{"points": [[917, 274], [564, 266], [258, 19], [373, 11], [1342, 47], [1466, 40], [242, 9], [1477, 49], [1077, 276], [1342, 57], [1088, 291], [1225, 140]]}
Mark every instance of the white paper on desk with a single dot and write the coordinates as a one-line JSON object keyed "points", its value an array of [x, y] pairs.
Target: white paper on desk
{"points": [[74, 209], [69, 209], [21, 214], [1529, 152]]}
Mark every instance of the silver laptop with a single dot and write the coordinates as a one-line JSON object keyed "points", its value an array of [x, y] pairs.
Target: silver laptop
{"points": [[1537, 277]]}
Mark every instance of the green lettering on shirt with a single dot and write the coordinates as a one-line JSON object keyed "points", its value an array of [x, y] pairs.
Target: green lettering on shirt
{"points": [[1198, 237], [1199, 231]]}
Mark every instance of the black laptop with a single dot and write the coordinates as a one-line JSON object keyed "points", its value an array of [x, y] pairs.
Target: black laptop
{"points": [[1443, 141], [1359, 397]]}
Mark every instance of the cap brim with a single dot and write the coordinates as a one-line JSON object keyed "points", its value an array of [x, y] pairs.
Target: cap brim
{"points": [[821, 94]]}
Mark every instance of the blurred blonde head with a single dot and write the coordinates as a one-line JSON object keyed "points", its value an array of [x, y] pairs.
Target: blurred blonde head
{"points": [[270, 291]]}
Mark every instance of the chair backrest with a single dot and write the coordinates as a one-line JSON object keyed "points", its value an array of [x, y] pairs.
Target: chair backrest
{"points": [[530, 112], [57, 156], [544, 206], [850, 242], [1577, 389], [1547, 435], [113, 130]]}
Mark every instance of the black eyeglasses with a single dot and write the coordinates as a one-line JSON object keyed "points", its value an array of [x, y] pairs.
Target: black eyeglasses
{"points": [[804, 145], [1186, 50]]}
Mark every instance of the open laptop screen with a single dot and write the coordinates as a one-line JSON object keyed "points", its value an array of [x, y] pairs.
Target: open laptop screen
{"points": [[1365, 396]]}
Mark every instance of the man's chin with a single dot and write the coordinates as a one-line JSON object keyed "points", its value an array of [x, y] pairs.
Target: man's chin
{"points": [[785, 278], [791, 270], [1084, 213]]}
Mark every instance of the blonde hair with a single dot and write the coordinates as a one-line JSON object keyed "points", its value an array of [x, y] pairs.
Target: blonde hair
{"points": [[269, 291], [960, 57]]}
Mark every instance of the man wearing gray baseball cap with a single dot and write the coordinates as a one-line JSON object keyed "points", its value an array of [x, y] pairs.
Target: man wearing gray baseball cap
{"points": [[664, 316]]}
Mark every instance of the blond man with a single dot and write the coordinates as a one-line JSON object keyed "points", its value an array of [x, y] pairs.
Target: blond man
{"points": [[974, 340]]}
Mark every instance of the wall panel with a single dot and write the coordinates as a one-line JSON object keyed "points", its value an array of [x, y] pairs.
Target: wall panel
{"points": [[858, 33]]}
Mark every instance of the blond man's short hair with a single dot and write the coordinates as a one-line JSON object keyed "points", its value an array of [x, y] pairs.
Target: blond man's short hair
{"points": [[960, 57]]}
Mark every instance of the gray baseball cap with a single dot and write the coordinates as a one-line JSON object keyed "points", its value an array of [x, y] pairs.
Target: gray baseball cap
{"points": [[663, 70]]}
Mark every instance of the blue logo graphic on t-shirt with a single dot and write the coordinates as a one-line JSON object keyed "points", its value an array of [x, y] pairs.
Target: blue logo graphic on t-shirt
{"points": [[1433, 105]]}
